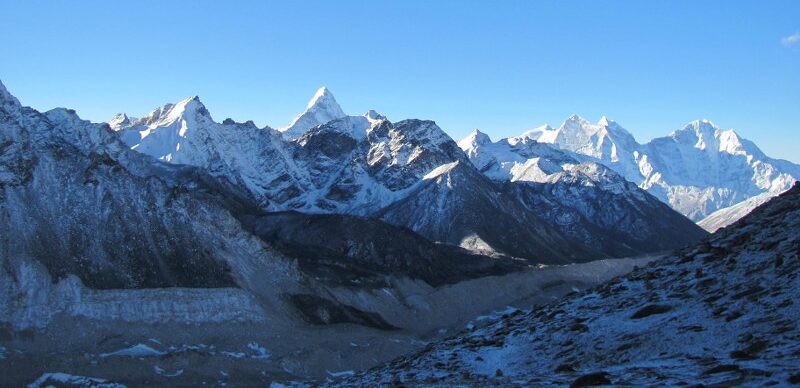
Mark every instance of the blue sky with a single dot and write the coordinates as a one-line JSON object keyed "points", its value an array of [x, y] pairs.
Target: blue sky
{"points": [[502, 67]]}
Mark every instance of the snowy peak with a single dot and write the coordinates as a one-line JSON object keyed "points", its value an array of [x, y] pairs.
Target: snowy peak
{"points": [[323, 100], [576, 119], [119, 121], [321, 109], [374, 116], [188, 108], [705, 135], [702, 134], [701, 126], [613, 127], [474, 139]]}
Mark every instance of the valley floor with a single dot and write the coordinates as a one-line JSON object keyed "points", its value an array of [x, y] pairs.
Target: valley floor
{"points": [[246, 353]]}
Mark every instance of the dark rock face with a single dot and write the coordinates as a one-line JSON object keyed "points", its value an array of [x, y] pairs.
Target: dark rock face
{"points": [[349, 250], [651, 309], [320, 311], [615, 224], [591, 380], [461, 204], [663, 324], [71, 202]]}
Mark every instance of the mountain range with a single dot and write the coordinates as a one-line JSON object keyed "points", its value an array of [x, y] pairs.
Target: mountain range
{"points": [[697, 169], [412, 174]]}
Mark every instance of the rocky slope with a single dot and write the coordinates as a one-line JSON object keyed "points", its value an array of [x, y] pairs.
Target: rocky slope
{"points": [[697, 170], [722, 312], [584, 200]]}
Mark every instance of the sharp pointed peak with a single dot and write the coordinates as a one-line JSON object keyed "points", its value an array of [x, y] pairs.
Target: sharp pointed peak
{"points": [[321, 95], [189, 105], [321, 109], [476, 133], [323, 101]]}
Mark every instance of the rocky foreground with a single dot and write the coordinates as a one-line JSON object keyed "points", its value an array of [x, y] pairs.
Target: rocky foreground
{"points": [[722, 312]]}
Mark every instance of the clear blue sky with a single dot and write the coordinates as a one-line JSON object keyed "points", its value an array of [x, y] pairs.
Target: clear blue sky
{"points": [[501, 67]]}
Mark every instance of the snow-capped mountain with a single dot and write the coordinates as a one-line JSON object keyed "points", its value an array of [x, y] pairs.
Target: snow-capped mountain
{"points": [[722, 312], [584, 200], [697, 170], [185, 133], [320, 109], [409, 173]]}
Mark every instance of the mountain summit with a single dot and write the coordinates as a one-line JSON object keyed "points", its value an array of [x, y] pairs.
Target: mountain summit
{"points": [[321, 109]]}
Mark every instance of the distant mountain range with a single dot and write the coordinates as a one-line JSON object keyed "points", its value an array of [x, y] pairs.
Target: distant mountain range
{"points": [[697, 170], [412, 174]]}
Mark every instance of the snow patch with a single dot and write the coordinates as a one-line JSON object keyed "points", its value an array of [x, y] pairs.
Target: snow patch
{"points": [[441, 170], [138, 350], [49, 378]]}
